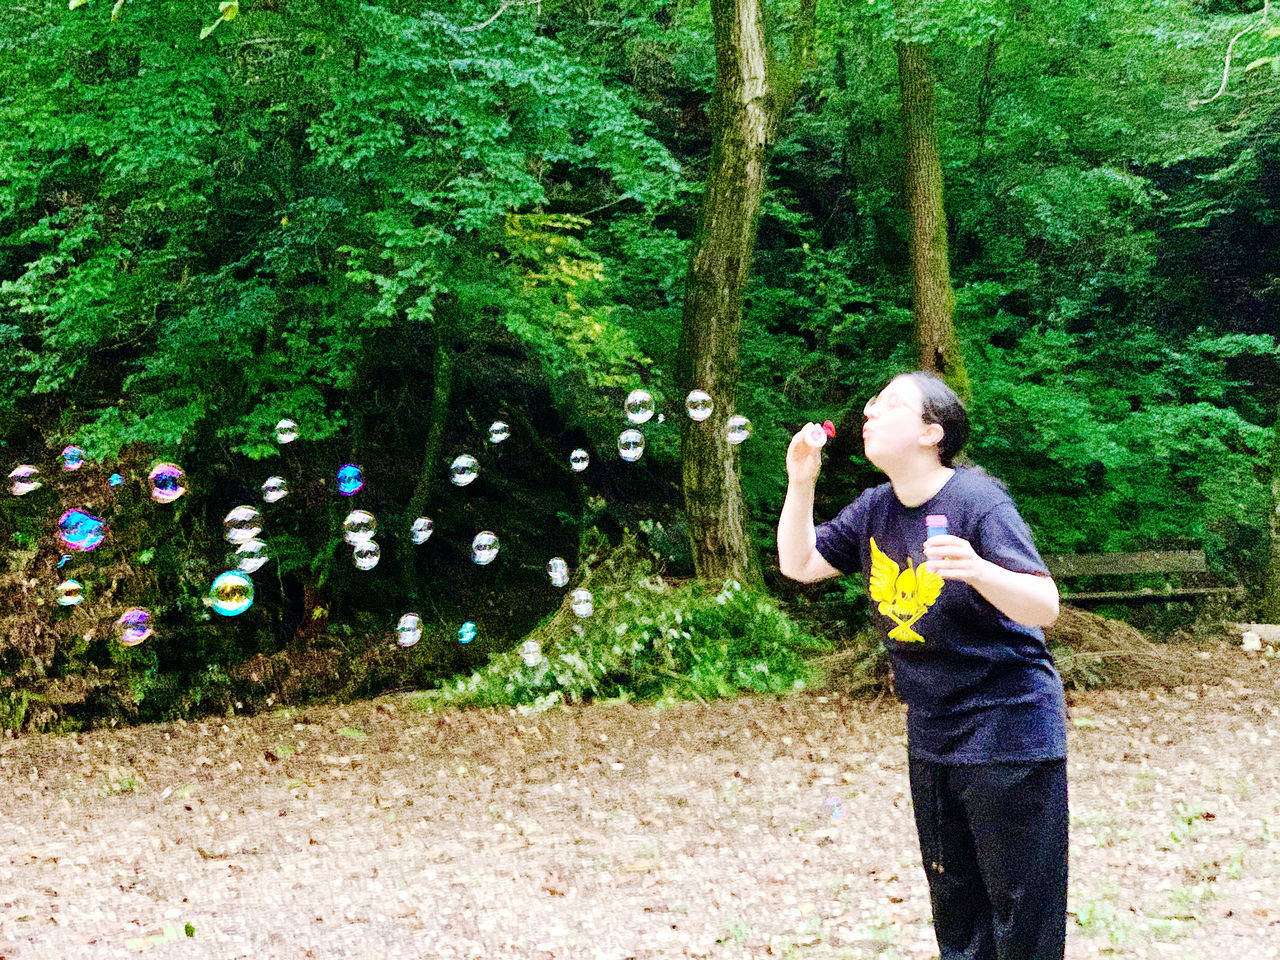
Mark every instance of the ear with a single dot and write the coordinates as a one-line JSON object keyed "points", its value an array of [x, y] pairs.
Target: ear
{"points": [[931, 435]]}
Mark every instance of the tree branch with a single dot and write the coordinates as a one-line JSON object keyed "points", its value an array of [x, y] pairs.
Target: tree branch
{"points": [[506, 4], [1226, 69]]}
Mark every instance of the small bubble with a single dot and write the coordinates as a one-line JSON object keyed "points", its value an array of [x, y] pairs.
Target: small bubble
{"points": [[166, 481], [350, 480], [366, 554], [699, 405], [639, 406], [286, 431], [558, 571], [115, 480], [579, 460], [66, 558], [421, 530], [133, 627], [582, 603], [359, 526], [70, 593], [467, 632], [24, 479], [231, 593], [72, 458], [81, 531], [275, 489], [739, 428], [530, 653], [464, 469], [242, 524], [250, 556], [409, 630], [631, 445], [484, 548], [498, 431]]}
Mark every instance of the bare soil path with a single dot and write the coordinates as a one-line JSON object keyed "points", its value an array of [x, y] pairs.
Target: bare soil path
{"points": [[747, 828]]}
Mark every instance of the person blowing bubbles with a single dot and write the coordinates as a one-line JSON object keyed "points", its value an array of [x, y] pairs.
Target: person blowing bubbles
{"points": [[961, 614]]}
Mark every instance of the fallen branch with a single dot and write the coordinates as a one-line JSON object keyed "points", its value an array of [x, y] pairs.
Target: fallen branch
{"points": [[506, 5], [1226, 69]]}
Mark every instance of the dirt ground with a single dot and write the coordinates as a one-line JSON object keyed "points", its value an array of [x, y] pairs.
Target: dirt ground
{"points": [[746, 828]]}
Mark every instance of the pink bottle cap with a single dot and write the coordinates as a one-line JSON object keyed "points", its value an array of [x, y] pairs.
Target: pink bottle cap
{"points": [[935, 520]]}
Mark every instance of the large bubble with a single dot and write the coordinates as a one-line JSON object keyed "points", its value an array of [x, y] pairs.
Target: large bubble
{"points": [[167, 482], [275, 489], [251, 556], [739, 428], [530, 653], [359, 526], [286, 431], [631, 445], [80, 530], [242, 524], [350, 479], [639, 406], [231, 593], [70, 593], [484, 548], [579, 460], [366, 554], [421, 529], [409, 630], [133, 627], [699, 405], [558, 571], [23, 480], [467, 632], [582, 603], [498, 431], [464, 469], [72, 458]]}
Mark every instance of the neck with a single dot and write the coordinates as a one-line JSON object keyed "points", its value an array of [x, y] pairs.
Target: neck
{"points": [[915, 484]]}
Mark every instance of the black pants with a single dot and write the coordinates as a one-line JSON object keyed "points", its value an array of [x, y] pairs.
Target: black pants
{"points": [[993, 838]]}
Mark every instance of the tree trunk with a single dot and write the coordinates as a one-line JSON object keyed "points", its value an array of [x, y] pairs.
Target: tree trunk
{"points": [[742, 124], [933, 303], [1270, 612]]}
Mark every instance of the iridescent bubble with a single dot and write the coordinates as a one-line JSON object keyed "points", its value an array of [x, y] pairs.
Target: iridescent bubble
{"points": [[739, 428], [420, 532], [530, 653], [484, 547], [579, 460], [467, 632], [251, 556], [231, 593], [24, 479], [464, 469], [115, 480], [558, 571], [582, 602], [72, 458], [81, 531], [70, 593], [409, 630], [275, 489], [286, 431], [133, 627], [366, 554], [66, 558], [350, 479], [166, 481], [359, 526], [698, 404], [630, 445], [498, 431], [242, 524], [639, 406]]}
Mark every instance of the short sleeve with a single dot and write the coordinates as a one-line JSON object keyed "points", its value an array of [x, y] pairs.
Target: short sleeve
{"points": [[1005, 539], [840, 539]]}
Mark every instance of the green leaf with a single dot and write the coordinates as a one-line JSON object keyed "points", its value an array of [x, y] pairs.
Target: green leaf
{"points": [[115, 11], [73, 4], [209, 29], [1260, 62], [229, 9]]}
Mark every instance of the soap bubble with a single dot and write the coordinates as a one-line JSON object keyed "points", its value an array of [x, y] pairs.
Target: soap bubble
{"points": [[350, 480], [366, 553], [133, 627], [464, 469], [558, 571], [24, 479], [286, 431], [359, 526], [166, 481], [275, 489], [70, 593], [251, 556], [484, 547], [739, 428], [231, 593], [115, 480], [467, 632], [242, 524], [699, 405], [81, 531], [630, 445], [582, 602], [579, 460], [498, 431], [420, 532], [409, 630], [639, 406], [72, 458], [530, 653]]}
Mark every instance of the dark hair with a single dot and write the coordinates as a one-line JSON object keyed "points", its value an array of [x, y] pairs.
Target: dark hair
{"points": [[944, 407]]}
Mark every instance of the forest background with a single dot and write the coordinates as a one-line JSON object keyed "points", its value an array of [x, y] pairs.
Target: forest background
{"points": [[395, 225]]}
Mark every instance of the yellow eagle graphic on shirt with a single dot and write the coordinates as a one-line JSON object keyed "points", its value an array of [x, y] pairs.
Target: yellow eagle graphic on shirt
{"points": [[904, 596]]}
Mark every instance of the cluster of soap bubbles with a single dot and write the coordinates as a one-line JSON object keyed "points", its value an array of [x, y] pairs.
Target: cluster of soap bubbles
{"points": [[232, 591]]}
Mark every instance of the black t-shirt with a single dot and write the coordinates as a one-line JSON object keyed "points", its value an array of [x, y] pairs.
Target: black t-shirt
{"points": [[979, 687]]}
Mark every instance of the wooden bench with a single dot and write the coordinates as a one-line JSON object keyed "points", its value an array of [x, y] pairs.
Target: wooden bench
{"points": [[1159, 562]]}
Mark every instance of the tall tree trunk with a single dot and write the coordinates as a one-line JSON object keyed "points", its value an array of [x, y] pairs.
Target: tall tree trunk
{"points": [[933, 303], [712, 319], [1271, 594]]}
